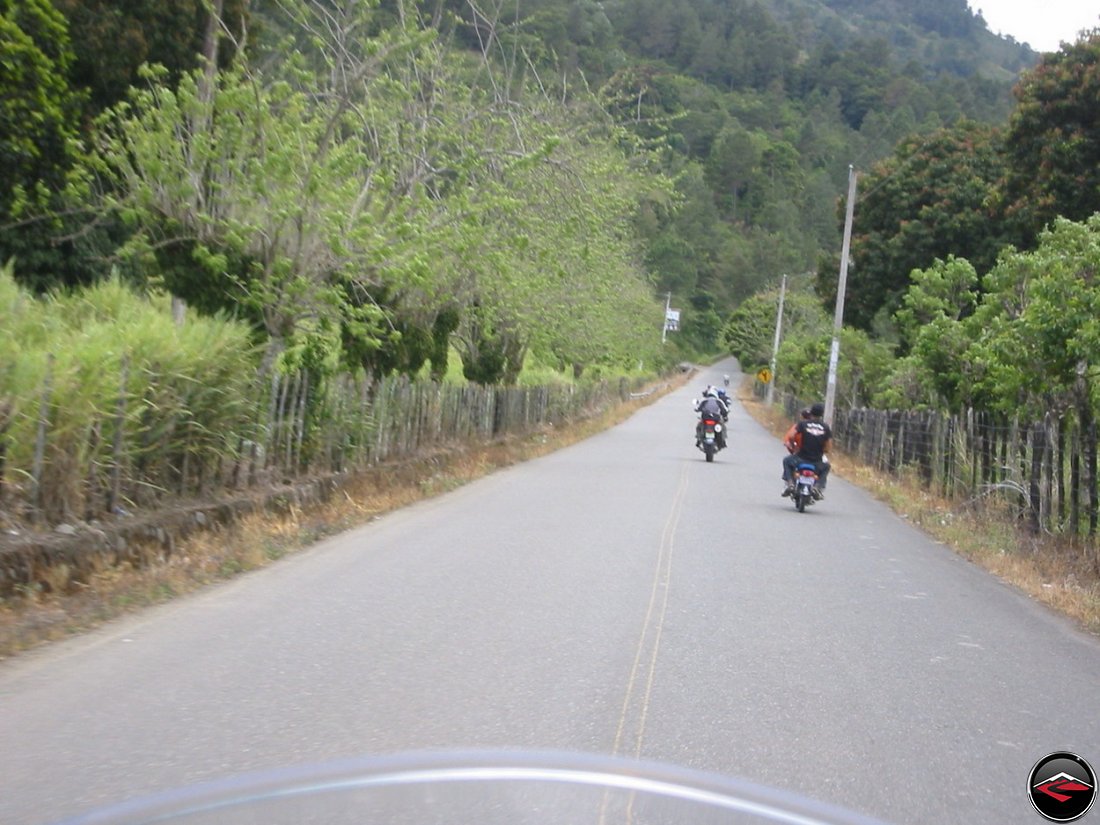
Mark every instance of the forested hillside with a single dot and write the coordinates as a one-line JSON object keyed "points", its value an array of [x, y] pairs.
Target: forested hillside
{"points": [[760, 107], [752, 111]]}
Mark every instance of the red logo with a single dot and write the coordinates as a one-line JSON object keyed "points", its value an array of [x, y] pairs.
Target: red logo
{"points": [[1062, 787]]}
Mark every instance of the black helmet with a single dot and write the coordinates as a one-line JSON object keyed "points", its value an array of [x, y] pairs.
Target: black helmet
{"points": [[805, 412], [817, 409]]}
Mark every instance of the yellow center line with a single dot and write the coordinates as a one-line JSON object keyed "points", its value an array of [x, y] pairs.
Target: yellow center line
{"points": [[653, 625]]}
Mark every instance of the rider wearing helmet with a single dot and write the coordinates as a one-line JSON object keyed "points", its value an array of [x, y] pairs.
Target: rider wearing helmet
{"points": [[809, 443], [724, 397], [710, 406]]}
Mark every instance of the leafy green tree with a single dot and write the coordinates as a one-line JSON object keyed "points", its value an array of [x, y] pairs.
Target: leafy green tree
{"points": [[1023, 342], [749, 334], [930, 200], [289, 197], [802, 366], [1053, 140], [556, 268], [937, 326], [1040, 337], [733, 158], [1038, 322], [859, 74], [39, 139], [111, 39], [777, 178]]}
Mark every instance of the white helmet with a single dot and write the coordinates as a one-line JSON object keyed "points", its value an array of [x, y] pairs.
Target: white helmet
{"points": [[710, 392]]}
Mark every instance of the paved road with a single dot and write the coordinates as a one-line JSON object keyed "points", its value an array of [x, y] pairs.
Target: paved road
{"points": [[620, 595]]}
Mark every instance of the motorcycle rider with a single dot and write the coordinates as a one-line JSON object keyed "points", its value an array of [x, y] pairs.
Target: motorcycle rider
{"points": [[722, 396], [710, 406], [788, 439], [808, 442], [724, 399]]}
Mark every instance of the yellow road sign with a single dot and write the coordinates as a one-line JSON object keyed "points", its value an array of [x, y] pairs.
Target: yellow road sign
{"points": [[764, 376]]}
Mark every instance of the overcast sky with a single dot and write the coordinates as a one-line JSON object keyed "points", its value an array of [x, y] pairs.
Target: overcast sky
{"points": [[1040, 23]]}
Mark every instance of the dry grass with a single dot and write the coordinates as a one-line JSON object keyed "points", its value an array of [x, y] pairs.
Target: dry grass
{"points": [[61, 608], [1064, 576]]}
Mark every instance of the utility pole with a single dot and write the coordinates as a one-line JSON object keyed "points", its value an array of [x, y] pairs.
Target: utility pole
{"points": [[664, 321], [775, 344], [838, 319]]}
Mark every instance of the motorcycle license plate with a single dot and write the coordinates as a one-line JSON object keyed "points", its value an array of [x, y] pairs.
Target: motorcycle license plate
{"points": [[709, 437]]}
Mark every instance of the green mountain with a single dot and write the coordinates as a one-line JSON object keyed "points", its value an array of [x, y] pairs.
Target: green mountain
{"points": [[763, 105]]}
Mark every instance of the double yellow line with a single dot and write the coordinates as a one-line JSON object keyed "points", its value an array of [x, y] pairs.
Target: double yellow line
{"points": [[639, 688]]}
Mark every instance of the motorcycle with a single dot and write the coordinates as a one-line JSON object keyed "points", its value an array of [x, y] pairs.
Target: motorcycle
{"points": [[805, 487], [709, 437]]}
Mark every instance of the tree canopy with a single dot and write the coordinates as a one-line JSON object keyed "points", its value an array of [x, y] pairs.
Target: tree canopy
{"points": [[1052, 142], [405, 193], [931, 199]]}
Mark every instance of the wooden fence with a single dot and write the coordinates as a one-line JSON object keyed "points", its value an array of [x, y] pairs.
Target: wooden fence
{"points": [[1045, 471], [142, 453]]}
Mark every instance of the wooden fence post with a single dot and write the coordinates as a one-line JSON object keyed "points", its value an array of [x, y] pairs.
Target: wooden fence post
{"points": [[6, 408], [1090, 476], [1034, 482], [1075, 480], [300, 422], [1050, 433], [1060, 471], [39, 460], [91, 484], [115, 491]]}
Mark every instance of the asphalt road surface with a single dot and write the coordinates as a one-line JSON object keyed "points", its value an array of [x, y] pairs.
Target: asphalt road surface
{"points": [[618, 596]]}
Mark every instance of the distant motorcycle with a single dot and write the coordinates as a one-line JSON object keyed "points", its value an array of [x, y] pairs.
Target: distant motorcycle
{"points": [[805, 487]]}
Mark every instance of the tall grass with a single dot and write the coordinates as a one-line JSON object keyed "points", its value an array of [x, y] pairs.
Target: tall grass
{"points": [[106, 403], [103, 388]]}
